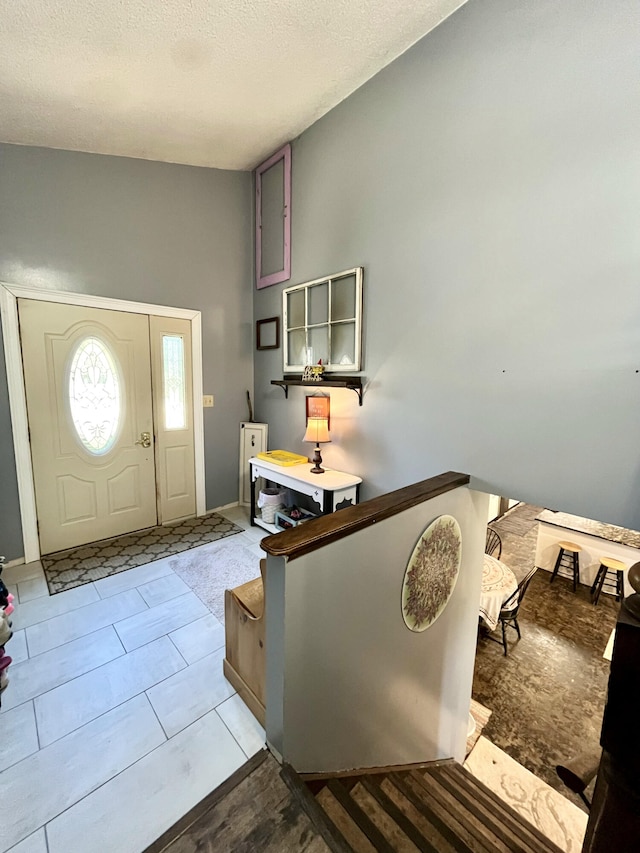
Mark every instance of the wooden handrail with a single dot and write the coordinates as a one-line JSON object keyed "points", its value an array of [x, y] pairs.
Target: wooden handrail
{"points": [[321, 531]]}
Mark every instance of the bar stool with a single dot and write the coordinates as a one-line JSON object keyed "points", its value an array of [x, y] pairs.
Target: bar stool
{"points": [[568, 559], [608, 564]]}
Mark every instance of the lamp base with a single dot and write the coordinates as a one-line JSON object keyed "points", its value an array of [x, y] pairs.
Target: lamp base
{"points": [[317, 462]]}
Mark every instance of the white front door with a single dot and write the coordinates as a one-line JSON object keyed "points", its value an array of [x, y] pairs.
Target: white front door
{"points": [[88, 387]]}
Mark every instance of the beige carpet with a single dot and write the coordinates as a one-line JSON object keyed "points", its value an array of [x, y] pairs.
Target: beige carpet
{"points": [[211, 569], [554, 815]]}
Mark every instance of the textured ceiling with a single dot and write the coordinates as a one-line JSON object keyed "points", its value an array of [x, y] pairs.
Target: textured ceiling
{"points": [[191, 81]]}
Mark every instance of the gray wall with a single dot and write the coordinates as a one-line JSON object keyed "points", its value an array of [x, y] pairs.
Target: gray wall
{"points": [[150, 232], [488, 181], [337, 644]]}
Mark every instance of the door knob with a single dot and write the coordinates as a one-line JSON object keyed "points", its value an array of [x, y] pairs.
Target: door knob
{"points": [[144, 440]]}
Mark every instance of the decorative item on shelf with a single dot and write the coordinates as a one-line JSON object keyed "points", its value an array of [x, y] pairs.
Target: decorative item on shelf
{"points": [[313, 372], [317, 433]]}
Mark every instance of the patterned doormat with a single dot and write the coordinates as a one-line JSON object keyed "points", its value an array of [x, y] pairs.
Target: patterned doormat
{"points": [[87, 563]]}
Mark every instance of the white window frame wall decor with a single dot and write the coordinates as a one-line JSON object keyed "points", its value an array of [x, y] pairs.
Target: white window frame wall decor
{"points": [[283, 274], [292, 364]]}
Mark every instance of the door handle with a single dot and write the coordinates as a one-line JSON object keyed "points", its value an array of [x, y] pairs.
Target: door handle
{"points": [[144, 440]]}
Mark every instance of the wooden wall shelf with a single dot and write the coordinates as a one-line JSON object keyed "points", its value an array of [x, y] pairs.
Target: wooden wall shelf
{"points": [[354, 383]]}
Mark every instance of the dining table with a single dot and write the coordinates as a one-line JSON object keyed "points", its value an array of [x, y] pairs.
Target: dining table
{"points": [[498, 583]]}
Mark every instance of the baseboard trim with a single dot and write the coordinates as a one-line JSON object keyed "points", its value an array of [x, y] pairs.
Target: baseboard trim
{"points": [[18, 561], [365, 771], [222, 508], [244, 692]]}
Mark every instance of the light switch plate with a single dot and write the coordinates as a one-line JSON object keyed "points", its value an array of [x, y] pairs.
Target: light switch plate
{"points": [[207, 401]]}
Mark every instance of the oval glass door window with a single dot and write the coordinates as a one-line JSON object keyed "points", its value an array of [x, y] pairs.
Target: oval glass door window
{"points": [[95, 395], [432, 572]]}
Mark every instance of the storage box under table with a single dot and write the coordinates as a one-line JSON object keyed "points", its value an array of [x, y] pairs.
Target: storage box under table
{"points": [[284, 521]]}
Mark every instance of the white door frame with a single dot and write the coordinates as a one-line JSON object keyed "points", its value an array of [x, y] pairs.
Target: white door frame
{"points": [[9, 295]]}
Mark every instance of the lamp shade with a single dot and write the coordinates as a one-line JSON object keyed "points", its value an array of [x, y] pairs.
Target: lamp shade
{"points": [[317, 431]]}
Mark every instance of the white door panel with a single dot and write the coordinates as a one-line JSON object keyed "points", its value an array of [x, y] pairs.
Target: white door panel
{"points": [[176, 460], [88, 387], [76, 499], [173, 399]]}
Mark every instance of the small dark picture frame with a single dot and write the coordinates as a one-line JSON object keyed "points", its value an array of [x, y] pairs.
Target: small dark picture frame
{"points": [[268, 333]]}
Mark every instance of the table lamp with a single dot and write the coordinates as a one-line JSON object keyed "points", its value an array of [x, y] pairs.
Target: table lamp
{"points": [[317, 433]]}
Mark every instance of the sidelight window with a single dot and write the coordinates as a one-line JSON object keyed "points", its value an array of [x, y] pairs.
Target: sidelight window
{"points": [[174, 382]]}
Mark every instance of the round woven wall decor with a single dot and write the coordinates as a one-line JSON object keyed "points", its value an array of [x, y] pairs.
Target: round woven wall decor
{"points": [[431, 573]]}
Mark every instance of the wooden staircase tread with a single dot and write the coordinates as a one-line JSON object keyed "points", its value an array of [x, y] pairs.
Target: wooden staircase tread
{"points": [[305, 796], [503, 821], [342, 820], [358, 816], [456, 831], [354, 775], [202, 808], [253, 811], [399, 817], [394, 834], [441, 808], [292, 835], [234, 819], [476, 787], [434, 839], [531, 828]]}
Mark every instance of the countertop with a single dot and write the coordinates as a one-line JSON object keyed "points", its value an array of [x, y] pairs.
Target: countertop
{"points": [[609, 532]]}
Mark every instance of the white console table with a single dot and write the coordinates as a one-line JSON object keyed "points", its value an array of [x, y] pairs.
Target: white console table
{"points": [[330, 491]]}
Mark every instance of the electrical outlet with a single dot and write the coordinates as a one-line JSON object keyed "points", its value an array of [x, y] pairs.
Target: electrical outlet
{"points": [[207, 401]]}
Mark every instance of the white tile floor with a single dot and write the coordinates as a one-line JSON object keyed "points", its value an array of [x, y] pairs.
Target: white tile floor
{"points": [[117, 719]]}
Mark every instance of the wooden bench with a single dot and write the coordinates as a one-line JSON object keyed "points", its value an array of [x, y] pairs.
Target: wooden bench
{"points": [[245, 661]]}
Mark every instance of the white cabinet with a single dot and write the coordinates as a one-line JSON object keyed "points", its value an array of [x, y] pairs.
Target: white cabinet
{"points": [[253, 440]]}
